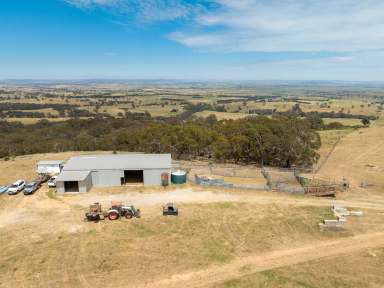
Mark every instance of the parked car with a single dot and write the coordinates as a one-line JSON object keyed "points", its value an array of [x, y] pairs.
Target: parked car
{"points": [[3, 189], [52, 182], [16, 187], [31, 188]]}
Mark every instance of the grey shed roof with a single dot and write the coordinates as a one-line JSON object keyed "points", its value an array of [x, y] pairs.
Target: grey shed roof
{"points": [[72, 176], [119, 162], [51, 162]]}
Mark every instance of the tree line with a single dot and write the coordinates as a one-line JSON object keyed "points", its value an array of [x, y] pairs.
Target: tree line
{"points": [[279, 141], [296, 111]]}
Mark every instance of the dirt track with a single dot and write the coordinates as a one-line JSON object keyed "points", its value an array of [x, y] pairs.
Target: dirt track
{"points": [[275, 259], [21, 209], [199, 195]]}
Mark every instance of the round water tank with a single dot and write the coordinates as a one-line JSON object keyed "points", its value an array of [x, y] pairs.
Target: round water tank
{"points": [[179, 177]]}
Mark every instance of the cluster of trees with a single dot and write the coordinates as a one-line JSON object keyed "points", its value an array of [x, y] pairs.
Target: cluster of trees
{"points": [[20, 114], [317, 123], [103, 102], [65, 110], [296, 111], [34, 106], [333, 114], [76, 113], [135, 115], [281, 141], [258, 98], [190, 109]]}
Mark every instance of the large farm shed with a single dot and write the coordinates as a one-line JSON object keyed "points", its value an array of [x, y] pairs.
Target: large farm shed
{"points": [[82, 172]]}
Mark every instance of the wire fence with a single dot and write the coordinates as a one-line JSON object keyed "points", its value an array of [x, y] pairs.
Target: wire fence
{"points": [[289, 180]]}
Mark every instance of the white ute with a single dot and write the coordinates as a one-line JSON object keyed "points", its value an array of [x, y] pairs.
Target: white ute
{"points": [[52, 182], [16, 187]]}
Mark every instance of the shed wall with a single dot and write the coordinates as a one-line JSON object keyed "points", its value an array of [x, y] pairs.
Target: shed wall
{"points": [[60, 187], [153, 176], [86, 185], [106, 178]]}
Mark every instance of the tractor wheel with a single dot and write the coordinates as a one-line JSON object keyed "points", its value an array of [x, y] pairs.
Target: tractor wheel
{"points": [[128, 216], [113, 215]]}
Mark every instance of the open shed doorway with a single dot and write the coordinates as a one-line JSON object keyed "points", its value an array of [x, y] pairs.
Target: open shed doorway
{"points": [[71, 186], [133, 176]]}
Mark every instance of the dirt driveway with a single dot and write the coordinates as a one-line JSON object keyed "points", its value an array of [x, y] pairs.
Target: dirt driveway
{"points": [[275, 259]]}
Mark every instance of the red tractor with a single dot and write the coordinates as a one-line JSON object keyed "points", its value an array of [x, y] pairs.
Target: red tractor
{"points": [[118, 210]]}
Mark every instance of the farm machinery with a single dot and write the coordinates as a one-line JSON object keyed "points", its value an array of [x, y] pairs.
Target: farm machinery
{"points": [[116, 211], [95, 213], [119, 210], [170, 209]]}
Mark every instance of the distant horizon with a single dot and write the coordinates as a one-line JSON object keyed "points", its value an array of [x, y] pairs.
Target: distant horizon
{"points": [[153, 80]]}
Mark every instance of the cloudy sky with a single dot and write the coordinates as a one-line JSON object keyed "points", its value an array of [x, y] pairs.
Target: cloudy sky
{"points": [[180, 39]]}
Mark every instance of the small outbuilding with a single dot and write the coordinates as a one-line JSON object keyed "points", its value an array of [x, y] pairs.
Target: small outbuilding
{"points": [[50, 166], [82, 172]]}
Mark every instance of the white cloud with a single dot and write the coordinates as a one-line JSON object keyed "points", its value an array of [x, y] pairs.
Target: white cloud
{"points": [[91, 3], [263, 25], [160, 10], [145, 10], [288, 25], [198, 40]]}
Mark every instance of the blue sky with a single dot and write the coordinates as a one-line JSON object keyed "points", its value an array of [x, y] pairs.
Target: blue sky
{"points": [[194, 40]]}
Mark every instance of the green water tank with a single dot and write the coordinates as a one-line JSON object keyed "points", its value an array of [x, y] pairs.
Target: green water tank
{"points": [[179, 177]]}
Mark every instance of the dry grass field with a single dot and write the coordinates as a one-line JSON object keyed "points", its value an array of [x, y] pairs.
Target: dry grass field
{"points": [[222, 115], [222, 238], [359, 158], [330, 138], [358, 269], [344, 121], [354, 106], [167, 101], [45, 243]]}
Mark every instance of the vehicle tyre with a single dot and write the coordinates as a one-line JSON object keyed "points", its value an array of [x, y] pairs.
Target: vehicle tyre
{"points": [[113, 215], [128, 215]]}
